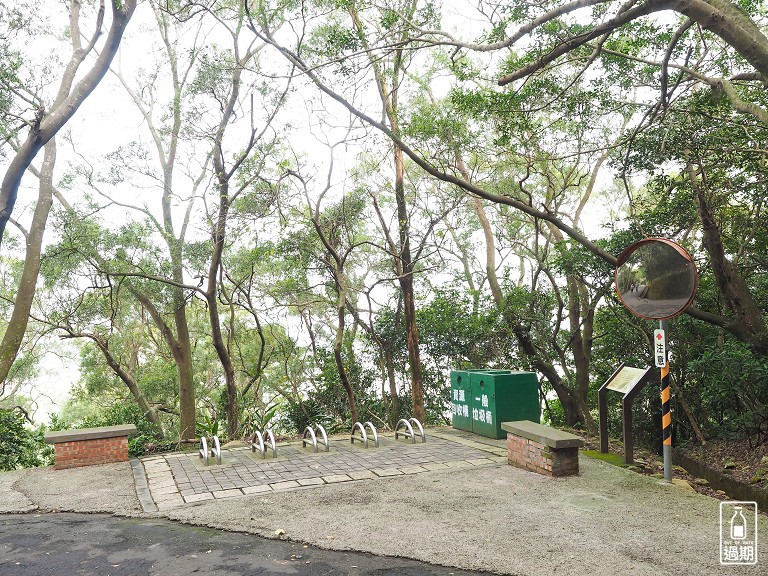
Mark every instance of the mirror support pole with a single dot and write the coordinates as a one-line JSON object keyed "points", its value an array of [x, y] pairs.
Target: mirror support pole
{"points": [[666, 415]]}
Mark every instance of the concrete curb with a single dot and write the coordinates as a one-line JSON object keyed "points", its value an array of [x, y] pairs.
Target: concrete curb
{"points": [[142, 488]]}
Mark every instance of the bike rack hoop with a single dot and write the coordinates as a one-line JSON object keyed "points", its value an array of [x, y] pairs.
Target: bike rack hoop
{"points": [[317, 435], [272, 444], [261, 446], [419, 426], [312, 438], [363, 437], [216, 449], [408, 431], [203, 452], [324, 441], [373, 433], [258, 445]]}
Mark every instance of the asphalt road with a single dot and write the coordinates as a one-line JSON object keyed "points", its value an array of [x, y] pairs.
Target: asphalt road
{"points": [[103, 545]]}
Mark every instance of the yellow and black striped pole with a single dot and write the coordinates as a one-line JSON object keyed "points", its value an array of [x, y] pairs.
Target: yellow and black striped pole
{"points": [[666, 414]]}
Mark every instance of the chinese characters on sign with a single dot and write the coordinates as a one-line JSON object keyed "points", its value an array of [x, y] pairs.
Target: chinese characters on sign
{"points": [[460, 408], [660, 348], [738, 533]]}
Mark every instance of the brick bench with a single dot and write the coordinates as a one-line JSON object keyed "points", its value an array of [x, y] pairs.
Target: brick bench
{"points": [[542, 449], [89, 446]]}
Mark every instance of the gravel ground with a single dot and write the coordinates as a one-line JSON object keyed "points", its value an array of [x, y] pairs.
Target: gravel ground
{"points": [[12, 500], [106, 488], [606, 521]]}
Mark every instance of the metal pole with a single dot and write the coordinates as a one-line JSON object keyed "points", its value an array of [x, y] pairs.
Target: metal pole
{"points": [[666, 416], [629, 448], [602, 409]]}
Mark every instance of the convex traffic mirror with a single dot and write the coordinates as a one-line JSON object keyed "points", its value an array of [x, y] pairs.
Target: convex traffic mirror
{"points": [[656, 278]]}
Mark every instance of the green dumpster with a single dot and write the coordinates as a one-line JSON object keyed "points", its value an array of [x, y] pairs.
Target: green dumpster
{"points": [[492, 397]]}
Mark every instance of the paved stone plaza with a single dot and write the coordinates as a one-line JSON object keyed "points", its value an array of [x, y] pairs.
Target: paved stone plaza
{"points": [[165, 482]]}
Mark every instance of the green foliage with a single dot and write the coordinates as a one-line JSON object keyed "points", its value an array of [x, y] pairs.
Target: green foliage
{"points": [[327, 402], [262, 417], [553, 414], [453, 334], [335, 39], [20, 446], [208, 427], [734, 390], [144, 444], [308, 412], [535, 141], [213, 67]]}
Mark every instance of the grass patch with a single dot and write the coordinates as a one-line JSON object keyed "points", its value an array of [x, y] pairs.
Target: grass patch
{"points": [[614, 459]]}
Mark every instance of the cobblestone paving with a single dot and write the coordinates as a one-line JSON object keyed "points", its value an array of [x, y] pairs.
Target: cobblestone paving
{"points": [[178, 479]]}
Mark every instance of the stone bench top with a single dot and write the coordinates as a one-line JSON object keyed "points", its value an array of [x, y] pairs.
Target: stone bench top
{"points": [[545, 435], [89, 433]]}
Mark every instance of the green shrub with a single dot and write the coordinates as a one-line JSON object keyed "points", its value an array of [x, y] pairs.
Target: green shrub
{"points": [[21, 447]]}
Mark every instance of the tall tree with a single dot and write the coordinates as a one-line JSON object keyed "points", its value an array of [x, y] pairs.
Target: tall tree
{"points": [[232, 179], [389, 75], [48, 120], [335, 227]]}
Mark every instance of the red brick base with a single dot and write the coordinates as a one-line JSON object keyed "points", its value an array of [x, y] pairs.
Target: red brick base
{"points": [[532, 455], [88, 452]]}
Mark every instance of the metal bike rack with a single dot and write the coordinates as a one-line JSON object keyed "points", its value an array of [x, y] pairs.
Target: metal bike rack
{"points": [[203, 452], [363, 437], [257, 443], [313, 439], [408, 430], [216, 449]]}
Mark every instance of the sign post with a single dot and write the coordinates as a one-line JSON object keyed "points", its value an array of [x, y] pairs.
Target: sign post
{"points": [[666, 414], [656, 279], [628, 382]]}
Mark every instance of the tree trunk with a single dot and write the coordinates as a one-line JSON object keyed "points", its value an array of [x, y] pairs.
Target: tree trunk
{"points": [[749, 323], [213, 315], [414, 361], [404, 258], [183, 358], [149, 412], [394, 412], [581, 348], [211, 293], [406, 286], [688, 412], [181, 350], [573, 412], [337, 346], [25, 294], [41, 135], [490, 239], [573, 402], [406, 282]]}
